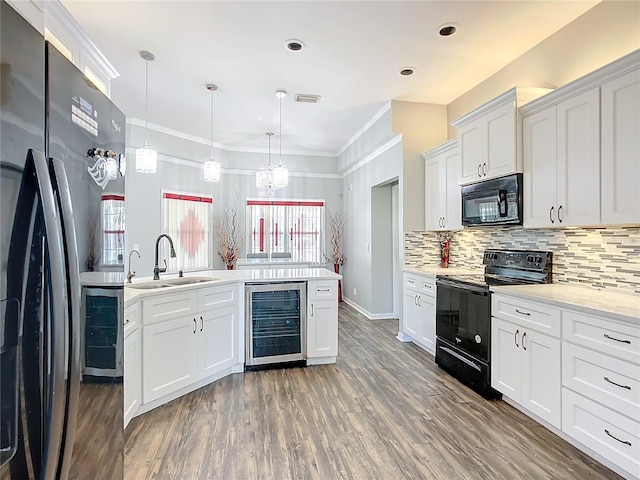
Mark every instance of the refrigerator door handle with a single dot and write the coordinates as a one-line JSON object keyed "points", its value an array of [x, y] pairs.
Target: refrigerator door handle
{"points": [[72, 354], [54, 423]]}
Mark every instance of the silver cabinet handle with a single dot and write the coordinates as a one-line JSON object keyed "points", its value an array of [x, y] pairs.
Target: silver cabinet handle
{"points": [[626, 442], [484, 169], [515, 338], [523, 313], [444, 222], [559, 217], [551, 214], [626, 387], [323, 290], [479, 167], [312, 309], [419, 301], [524, 335], [201, 323], [195, 325], [617, 339]]}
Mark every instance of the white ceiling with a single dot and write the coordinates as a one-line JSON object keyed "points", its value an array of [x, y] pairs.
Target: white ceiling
{"points": [[354, 51]]}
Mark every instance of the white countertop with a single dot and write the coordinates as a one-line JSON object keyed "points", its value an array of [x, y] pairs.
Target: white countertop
{"points": [[588, 300], [438, 270], [272, 261], [102, 279], [220, 277]]}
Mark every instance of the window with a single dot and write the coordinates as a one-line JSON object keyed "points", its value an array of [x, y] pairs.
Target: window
{"points": [[188, 221], [293, 227], [112, 229]]}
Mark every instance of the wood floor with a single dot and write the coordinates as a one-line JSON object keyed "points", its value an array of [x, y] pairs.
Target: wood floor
{"points": [[384, 411]]}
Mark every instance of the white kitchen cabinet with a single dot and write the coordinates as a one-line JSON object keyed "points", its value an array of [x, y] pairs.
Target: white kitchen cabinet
{"points": [[621, 150], [525, 364], [489, 137], [419, 310], [561, 150], [443, 208], [322, 315], [132, 354], [217, 337]]}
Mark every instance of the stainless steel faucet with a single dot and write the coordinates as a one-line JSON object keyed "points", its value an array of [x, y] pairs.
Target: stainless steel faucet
{"points": [[130, 275], [156, 269]]}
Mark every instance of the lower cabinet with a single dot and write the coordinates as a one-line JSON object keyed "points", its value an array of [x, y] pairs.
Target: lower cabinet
{"points": [[132, 356], [419, 310], [217, 341], [322, 314]]}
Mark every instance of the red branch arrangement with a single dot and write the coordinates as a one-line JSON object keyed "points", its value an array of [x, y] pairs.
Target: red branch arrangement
{"points": [[229, 237]]}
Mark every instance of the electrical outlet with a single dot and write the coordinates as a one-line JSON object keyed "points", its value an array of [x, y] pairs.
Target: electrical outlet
{"points": [[354, 291]]}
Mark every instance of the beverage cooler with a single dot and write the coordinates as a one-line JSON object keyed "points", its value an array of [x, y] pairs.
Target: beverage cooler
{"points": [[276, 323]]}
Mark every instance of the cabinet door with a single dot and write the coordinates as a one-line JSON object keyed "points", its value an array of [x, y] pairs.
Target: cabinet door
{"points": [[470, 143], [435, 183], [453, 211], [411, 312], [506, 362], [427, 306], [541, 376], [578, 156], [499, 132], [217, 333], [621, 150], [132, 375], [539, 156], [169, 357], [322, 328]]}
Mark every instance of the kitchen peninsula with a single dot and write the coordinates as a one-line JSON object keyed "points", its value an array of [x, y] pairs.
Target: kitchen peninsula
{"points": [[182, 333]]}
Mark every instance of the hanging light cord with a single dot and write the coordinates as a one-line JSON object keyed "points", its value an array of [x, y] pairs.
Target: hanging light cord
{"points": [[211, 88], [269, 135], [146, 101], [280, 98]]}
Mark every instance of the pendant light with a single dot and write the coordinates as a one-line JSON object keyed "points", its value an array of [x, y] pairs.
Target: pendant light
{"points": [[146, 157], [264, 176], [280, 173], [211, 167]]}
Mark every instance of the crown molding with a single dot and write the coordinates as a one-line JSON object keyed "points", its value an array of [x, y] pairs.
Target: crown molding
{"points": [[55, 10], [377, 152], [365, 127], [442, 148]]}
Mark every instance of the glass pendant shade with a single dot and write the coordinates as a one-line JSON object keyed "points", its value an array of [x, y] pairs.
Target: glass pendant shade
{"points": [[112, 168], [211, 171], [264, 179], [146, 160], [280, 176]]}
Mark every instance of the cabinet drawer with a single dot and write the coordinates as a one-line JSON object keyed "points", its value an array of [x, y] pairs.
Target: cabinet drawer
{"points": [[420, 284], [604, 335], [606, 432], [166, 307], [428, 287], [131, 319], [218, 297], [533, 316], [323, 290], [602, 378]]}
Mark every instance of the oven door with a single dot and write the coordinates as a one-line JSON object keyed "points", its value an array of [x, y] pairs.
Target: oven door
{"points": [[463, 316]]}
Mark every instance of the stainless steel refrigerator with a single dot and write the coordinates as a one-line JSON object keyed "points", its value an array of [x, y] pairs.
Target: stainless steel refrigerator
{"points": [[52, 426]]}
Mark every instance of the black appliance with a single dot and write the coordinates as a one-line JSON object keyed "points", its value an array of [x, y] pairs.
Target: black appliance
{"points": [[493, 202], [50, 116], [463, 312]]}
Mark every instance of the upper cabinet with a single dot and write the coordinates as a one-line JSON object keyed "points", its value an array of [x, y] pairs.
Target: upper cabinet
{"points": [[443, 208], [489, 137], [581, 151]]}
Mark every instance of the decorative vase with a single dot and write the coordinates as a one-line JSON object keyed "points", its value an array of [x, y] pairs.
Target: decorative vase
{"points": [[336, 268], [230, 266], [444, 255]]}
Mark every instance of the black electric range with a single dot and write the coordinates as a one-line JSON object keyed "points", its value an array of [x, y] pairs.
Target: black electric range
{"points": [[463, 312]]}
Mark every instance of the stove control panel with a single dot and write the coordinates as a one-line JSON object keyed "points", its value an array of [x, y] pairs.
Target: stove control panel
{"points": [[522, 259]]}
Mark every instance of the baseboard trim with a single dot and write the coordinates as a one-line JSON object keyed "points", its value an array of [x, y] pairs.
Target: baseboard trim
{"points": [[366, 313]]}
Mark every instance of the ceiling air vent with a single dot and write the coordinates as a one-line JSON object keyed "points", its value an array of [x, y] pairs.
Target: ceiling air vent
{"points": [[303, 98]]}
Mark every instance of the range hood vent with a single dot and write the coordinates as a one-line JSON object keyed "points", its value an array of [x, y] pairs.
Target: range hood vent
{"points": [[304, 98]]}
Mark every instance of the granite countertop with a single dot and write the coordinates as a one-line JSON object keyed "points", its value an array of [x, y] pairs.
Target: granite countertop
{"points": [[102, 279], [221, 277], [621, 306], [437, 270]]}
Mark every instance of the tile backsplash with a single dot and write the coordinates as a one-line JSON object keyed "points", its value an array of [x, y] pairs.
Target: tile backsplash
{"points": [[598, 257]]}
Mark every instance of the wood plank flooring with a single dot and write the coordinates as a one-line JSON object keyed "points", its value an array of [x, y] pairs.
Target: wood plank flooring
{"points": [[384, 411]]}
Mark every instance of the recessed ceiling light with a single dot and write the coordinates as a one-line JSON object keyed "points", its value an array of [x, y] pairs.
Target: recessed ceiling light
{"points": [[406, 71], [447, 29], [294, 45]]}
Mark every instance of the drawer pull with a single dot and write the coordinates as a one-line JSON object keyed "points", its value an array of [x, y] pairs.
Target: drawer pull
{"points": [[126, 321], [523, 313], [627, 387], [626, 442], [617, 339]]}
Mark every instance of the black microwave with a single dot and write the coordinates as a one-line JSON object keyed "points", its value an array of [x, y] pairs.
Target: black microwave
{"points": [[493, 202]]}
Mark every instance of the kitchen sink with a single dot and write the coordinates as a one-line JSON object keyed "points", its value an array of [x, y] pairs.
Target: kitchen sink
{"points": [[171, 282], [148, 286]]}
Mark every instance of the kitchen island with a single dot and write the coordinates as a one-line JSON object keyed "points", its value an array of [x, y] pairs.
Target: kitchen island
{"points": [[184, 333]]}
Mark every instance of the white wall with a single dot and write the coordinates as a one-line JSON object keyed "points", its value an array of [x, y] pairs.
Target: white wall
{"points": [[180, 169]]}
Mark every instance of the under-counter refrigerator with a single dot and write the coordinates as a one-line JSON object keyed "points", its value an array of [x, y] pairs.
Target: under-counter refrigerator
{"points": [[52, 426]]}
